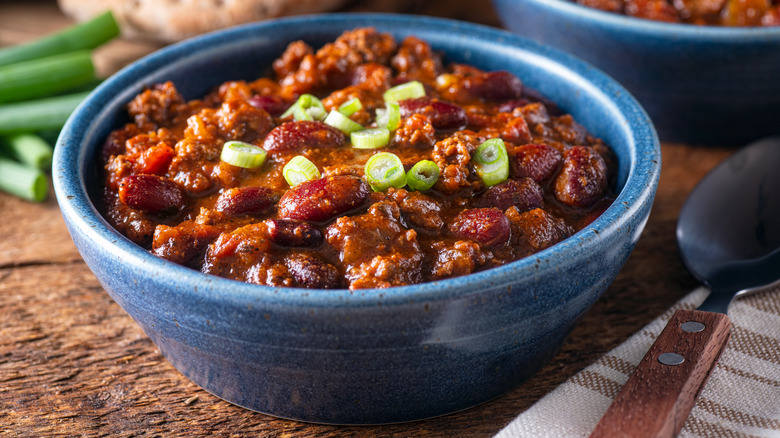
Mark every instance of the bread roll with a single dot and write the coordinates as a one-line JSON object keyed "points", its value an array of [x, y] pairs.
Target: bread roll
{"points": [[172, 20]]}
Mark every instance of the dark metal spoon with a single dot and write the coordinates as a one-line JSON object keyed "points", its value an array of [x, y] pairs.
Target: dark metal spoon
{"points": [[729, 237]]}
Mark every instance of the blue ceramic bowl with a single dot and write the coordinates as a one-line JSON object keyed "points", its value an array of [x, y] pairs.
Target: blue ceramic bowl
{"points": [[700, 84], [367, 356]]}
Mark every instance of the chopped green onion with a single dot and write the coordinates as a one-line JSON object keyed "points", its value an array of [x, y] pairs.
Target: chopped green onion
{"points": [[342, 122], [350, 107], [23, 181], [299, 170], [45, 76], [409, 90], [370, 138], [491, 162], [317, 113], [240, 154], [385, 170], [301, 114], [307, 107], [423, 175], [87, 35], [289, 111], [29, 149], [389, 117], [38, 115]]}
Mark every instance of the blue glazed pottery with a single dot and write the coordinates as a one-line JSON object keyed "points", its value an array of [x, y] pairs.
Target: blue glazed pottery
{"points": [[366, 356], [700, 84]]}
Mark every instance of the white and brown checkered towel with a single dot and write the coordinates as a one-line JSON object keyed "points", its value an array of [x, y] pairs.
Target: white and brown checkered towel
{"points": [[741, 398]]}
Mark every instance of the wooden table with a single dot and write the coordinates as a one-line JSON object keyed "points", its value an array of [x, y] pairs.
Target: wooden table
{"points": [[73, 363]]}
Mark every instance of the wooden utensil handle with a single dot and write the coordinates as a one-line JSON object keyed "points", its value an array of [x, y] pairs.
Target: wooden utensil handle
{"points": [[657, 398]]}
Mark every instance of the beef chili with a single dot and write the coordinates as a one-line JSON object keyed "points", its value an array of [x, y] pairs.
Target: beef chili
{"points": [[364, 164], [701, 12]]}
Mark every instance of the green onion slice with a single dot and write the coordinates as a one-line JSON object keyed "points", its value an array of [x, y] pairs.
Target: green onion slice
{"points": [[302, 114], [370, 138], [342, 122], [299, 170], [385, 170], [240, 154], [389, 117], [409, 90], [307, 107], [423, 175], [351, 107], [491, 162]]}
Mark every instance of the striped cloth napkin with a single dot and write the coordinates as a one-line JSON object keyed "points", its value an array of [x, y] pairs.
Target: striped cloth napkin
{"points": [[741, 398]]}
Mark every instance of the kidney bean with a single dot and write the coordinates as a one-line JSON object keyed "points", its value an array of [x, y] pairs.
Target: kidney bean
{"points": [[292, 136], [241, 201], [523, 193], [536, 161], [322, 199], [291, 232], [496, 85], [583, 179], [311, 272], [273, 105], [443, 115], [486, 226], [151, 193]]}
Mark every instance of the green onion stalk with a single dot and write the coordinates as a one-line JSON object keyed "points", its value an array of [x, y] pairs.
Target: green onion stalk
{"points": [[87, 35], [38, 115], [29, 149], [45, 76], [23, 181]]}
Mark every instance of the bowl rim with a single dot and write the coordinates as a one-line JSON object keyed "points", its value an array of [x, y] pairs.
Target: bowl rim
{"points": [[661, 29], [644, 157]]}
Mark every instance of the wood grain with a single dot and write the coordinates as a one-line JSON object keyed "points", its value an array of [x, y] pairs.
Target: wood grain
{"points": [[72, 363], [657, 398]]}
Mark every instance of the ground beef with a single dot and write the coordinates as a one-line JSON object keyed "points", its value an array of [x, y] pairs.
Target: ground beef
{"points": [[376, 249]]}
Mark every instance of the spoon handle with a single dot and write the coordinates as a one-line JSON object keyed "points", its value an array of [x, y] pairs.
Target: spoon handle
{"points": [[659, 395]]}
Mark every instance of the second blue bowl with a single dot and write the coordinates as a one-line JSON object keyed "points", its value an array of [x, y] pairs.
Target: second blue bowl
{"points": [[700, 84]]}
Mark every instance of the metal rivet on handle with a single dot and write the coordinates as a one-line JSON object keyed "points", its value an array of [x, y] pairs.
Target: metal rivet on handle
{"points": [[671, 359], [692, 326]]}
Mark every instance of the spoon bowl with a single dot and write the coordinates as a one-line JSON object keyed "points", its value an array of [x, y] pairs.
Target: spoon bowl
{"points": [[728, 228], [729, 238]]}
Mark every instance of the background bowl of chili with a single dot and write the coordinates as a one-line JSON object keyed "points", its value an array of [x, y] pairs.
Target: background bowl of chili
{"points": [[712, 85], [376, 355]]}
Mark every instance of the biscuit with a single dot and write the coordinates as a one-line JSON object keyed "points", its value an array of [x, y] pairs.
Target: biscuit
{"points": [[173, 20]]}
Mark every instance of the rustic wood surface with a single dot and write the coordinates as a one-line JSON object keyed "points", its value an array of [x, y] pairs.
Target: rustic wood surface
{"points": [[72, 363]]}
